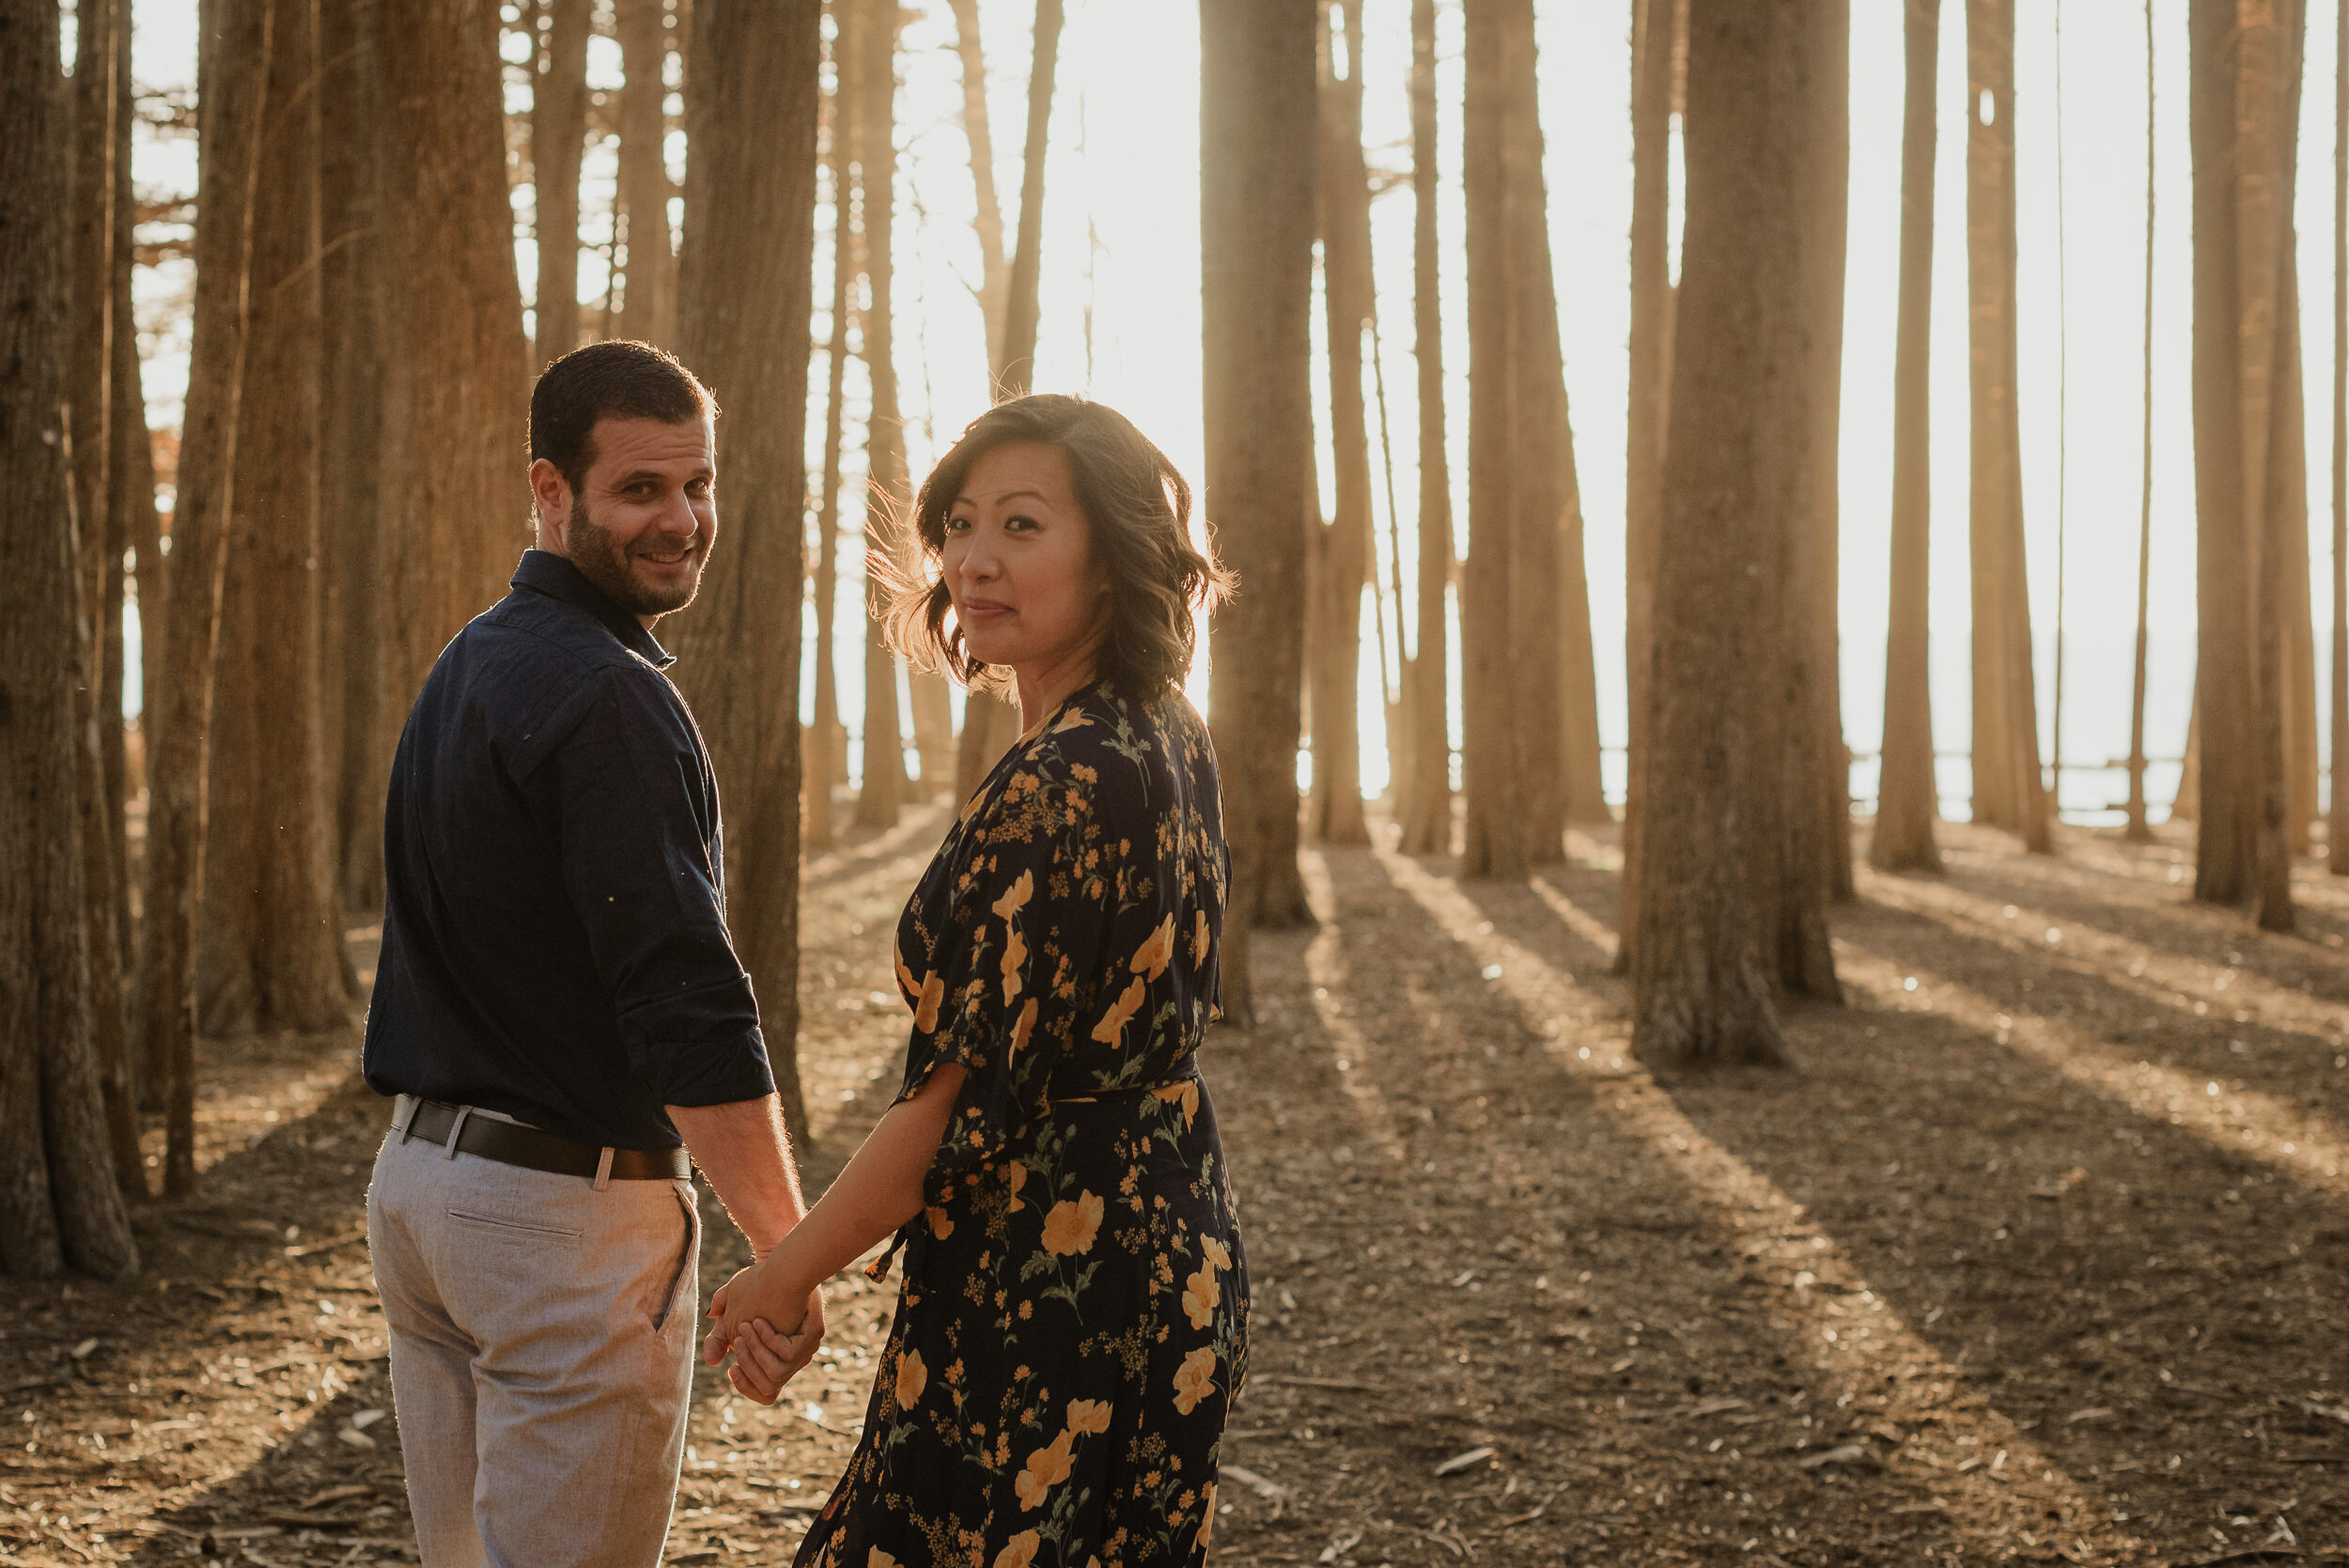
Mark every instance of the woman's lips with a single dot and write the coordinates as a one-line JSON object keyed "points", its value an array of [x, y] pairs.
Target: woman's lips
{"points": [[979, 610]]}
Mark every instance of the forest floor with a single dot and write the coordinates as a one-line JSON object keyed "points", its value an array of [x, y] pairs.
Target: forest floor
{"points": [[2040, 1253]]}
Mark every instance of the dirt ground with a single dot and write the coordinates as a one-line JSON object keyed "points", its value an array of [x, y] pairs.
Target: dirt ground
{"points": [[2039, 1255]]}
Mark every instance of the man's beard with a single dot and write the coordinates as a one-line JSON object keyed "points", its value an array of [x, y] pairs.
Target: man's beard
{"points": [[602, 562]]}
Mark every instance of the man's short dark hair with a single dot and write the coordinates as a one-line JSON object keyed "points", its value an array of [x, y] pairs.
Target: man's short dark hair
{"points": [[608, 380]]}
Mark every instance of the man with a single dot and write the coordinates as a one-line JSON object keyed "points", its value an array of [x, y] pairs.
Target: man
{"points": [[558, 1007]]}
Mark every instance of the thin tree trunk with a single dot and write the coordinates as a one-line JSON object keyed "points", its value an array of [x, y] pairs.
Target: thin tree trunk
{"points": [[1427, 794], [1729, 622], [1907, 800], [356, 734], [2294, 612], [2008, 790], [1820, 838], [827, 757], [59, 1202], [270, 954], [2241, 234], [234, 68], [1014, 371], [649, 298], [885, 784], [1343, 547], [1256, 221], [2337, 828], [2139, 830], [1654, 55], [558, 136], [744, 301], [994, 258]]}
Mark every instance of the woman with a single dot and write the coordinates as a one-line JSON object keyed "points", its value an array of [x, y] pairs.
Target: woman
{"points": [[1073, 1321]]}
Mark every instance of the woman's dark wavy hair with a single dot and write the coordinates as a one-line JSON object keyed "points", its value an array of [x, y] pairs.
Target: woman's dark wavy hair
{"points": [[1138, 507]]}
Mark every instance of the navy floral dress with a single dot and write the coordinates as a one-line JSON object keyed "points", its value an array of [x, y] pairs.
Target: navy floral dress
{"points": [[1072, 1324]]}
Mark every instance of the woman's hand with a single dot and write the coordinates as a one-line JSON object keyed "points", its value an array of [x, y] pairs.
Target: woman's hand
{"points": [[747, 1309]]}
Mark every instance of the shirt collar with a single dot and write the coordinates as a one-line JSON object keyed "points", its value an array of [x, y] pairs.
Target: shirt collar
{"points": [[544, 572]]}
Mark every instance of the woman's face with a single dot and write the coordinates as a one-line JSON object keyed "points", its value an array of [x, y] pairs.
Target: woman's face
{"points": [[1019, 563]]}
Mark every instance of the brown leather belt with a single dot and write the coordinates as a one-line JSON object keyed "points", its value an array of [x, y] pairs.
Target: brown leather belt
{"points": [[532, 1149]]}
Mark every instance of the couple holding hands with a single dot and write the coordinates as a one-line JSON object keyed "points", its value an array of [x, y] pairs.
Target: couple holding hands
{"points": [[560, 1014]]}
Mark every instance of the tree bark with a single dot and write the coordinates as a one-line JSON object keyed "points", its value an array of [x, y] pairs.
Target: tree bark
{"points": [[2242, 52], [355, 731], [826, 752], [2337, 827], [2009, 791], [270, 954], [1822, 837], [59, 1202], [1427, 794], [2139, 830], [1343, 548], [458, 370], [1656, 47], [887, 492], [649, 298], [744, 299], [994, 256], [1256, 222], [1907, 800], [1015, 369], [558, 136], [236, 45], [1731, 625]]}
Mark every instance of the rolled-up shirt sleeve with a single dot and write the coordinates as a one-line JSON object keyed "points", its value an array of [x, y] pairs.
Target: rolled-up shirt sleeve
{"points": [[640, 855]]}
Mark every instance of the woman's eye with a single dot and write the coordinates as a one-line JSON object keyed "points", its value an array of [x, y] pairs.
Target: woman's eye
{"points": [[1019, 525], [957, 525]]}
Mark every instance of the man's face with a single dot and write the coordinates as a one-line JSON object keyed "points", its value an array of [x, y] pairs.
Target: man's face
{"points": [[641, 524]]}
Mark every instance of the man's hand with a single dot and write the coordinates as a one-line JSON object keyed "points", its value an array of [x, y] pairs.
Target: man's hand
{"points": [[765, 1358]]}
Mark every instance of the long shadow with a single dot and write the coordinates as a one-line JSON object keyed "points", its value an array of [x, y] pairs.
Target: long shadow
{"points": [[2156, 1310], [858, 850], [2268, 1058], [1581, 1294]]}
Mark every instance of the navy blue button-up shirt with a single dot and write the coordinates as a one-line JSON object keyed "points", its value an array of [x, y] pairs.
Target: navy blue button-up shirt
{"points": [[554, 937]]}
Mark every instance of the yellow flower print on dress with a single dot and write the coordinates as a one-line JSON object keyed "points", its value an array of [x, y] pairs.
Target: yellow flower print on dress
{"points": [[1201, 1294], [1151, 959], [1019, 1551], [1089, 1415], [1111, 1030], [941, 1224], [1195, 1380], [1023, 1026], [1185, 1094], [1047, 1467], [911, 986], [1073, 720], [1015, 1179], [1216, 1251], [878, 1559], [1206, 1525], [933, 994], [1198, 937], [1072, 1225], [913, 1377]]}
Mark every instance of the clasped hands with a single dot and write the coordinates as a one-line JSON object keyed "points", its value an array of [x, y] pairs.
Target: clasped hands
{"points": [[771, 1330]]}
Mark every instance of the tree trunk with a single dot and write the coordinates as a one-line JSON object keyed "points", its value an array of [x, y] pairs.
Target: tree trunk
{"points": [[1655, 45], [1014, 370], [1256, 222], [2241, 184], [2008, 790], [355, 731], [745, 290], [1530, 739], [994, 258], [270, 956], [1427, 790], [2337, 827], [2289, 524], [457, 362], [234, 68], [59, 1202], [1907, 800], [826, 752], [1820, 838], [2139, 830], [648, 297], [1343, 547], [886, 489], [558, 136], [1730, 623]]}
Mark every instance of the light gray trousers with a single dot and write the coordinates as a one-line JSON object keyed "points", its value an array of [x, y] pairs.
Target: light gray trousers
{"points": [[543, 1356]]}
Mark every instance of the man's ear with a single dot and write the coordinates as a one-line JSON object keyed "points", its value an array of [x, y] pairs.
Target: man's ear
{"points": [[551, 500]]}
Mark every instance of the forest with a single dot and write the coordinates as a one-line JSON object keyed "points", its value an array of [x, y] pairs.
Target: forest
{"points": [[1720, 1061]]}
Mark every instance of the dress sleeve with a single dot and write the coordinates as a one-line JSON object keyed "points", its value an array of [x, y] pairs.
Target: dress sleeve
{"points": [[1019, 959]]}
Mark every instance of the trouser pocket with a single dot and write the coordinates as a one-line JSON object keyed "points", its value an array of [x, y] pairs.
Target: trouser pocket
{"points": [[681, 1274]]}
